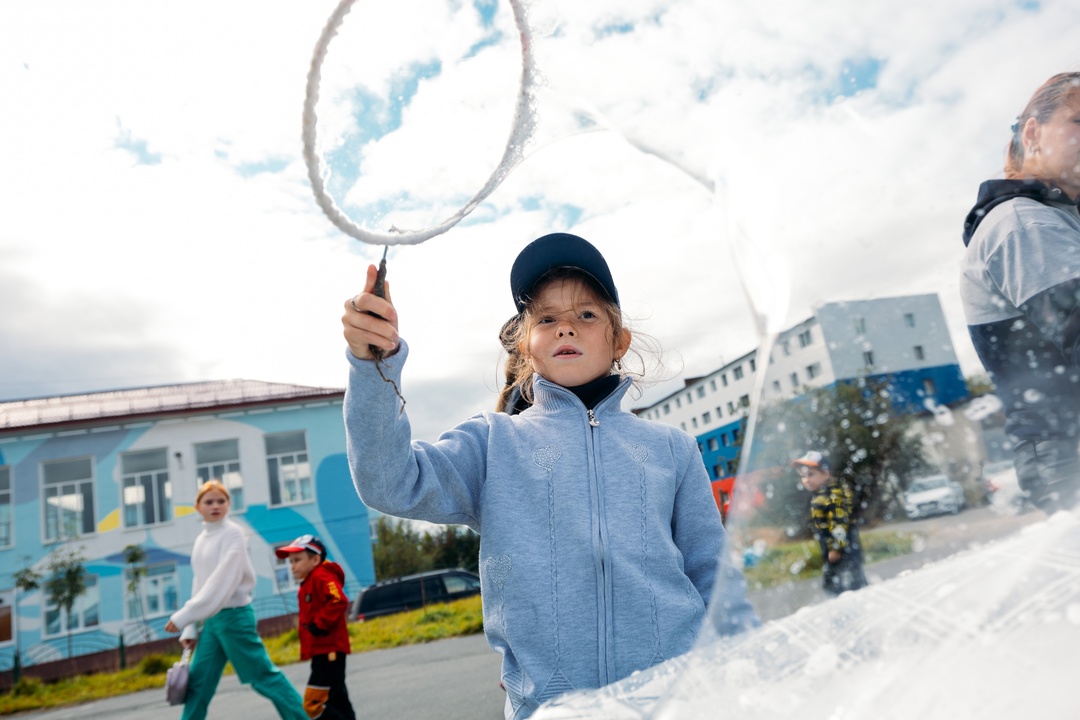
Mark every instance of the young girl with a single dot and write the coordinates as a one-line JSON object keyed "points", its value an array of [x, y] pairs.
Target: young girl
{"points": [[599, 535], [221, 596], [1020, 286]]}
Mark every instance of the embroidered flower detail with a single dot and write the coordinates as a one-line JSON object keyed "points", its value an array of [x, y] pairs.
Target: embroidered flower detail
{"points": [[546, 457], [638, 453], [497, 569]]}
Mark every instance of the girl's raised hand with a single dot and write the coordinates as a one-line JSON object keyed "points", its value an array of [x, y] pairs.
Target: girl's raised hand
{"points": [[370, 320]]}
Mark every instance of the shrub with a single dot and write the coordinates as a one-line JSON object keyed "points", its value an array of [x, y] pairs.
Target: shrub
{"points": [[27, 686], [156, 664]]}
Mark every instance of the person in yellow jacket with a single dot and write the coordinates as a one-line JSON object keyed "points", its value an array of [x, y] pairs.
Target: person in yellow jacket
{"points": [[833, 524]]}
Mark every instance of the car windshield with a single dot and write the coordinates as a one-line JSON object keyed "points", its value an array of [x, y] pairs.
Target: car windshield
{"points": [[928, 484]]}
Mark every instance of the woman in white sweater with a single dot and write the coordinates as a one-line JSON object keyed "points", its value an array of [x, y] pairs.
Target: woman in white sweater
{"points": [[221, 601]]}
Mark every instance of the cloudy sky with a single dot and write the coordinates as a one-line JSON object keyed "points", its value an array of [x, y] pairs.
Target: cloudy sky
{"points": [[159, 225]]}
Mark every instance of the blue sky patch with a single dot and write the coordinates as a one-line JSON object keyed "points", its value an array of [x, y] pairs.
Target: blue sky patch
{"points": [[136, 146], [374, 117], [269, 165]]}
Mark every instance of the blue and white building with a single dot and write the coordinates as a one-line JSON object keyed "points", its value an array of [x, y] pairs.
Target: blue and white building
{"points": [[99, 472], [904, 339]]}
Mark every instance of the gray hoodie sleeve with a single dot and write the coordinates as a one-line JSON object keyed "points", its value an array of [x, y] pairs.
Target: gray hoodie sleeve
{"points": [[700, 536], [438, 482]]}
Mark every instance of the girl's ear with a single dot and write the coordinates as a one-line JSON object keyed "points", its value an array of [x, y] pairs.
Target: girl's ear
{"points": [[1030, 136], [622, 343]]}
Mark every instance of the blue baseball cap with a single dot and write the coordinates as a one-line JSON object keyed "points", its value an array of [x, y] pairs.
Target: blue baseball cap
{"points": [[558, 250]]}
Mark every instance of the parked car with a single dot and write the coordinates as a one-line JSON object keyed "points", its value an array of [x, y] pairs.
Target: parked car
{"points": [[1003, 489], [414, 591], [933, 495]]}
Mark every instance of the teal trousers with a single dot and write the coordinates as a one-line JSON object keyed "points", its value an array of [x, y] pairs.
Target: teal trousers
{"points": [[231, 636]]}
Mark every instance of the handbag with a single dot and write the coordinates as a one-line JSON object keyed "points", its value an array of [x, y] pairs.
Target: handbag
{"points": [[176, 679]]}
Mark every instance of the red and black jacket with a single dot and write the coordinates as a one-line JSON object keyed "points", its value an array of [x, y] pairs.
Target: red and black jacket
{"points": [[323, 608]]}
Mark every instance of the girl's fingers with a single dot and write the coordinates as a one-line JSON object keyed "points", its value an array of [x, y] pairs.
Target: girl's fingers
{"points": [[361, 326]]}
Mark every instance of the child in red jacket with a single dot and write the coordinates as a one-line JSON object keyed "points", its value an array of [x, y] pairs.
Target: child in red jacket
{"points": [[324, 636]]}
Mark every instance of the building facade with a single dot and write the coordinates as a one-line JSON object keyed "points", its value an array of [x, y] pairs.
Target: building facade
{"points": [[102, 472], [902, 339]]}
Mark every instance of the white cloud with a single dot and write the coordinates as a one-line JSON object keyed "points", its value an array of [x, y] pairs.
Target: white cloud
{"points": [[213, 260]]}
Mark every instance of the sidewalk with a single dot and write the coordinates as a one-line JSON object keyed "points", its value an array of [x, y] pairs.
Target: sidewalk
{"points": [[944, 535]]}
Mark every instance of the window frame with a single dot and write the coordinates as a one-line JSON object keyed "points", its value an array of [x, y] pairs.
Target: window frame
{"points": [[86, 494], [7, 501], [149, 578], [93, 584], [7, 605], [237, 502], [280, 476], [163, 507]]}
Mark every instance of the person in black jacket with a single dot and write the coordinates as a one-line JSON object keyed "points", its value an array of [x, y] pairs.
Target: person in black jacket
{"points": [[1020, 286]]}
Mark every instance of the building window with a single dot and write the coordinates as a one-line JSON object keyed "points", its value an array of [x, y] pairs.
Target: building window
{"points": [[718, 470], [712, 384], [753, 364], [667, 408], [69, 498], [776, 386], [726, 440], [804, 338], [706, 417], [860, 326], [701, 391], [288, 468], [812, 371], [220, 460], [718, 413], [701, 448], [918, 351], [159, 592], [678, 402], [85, 613], [714, 444], [868, 358], [147, 493], [909, 319], [737, 373], [730, 408], [683, 426], [786, 345], [723, 379], [6, 534], [693, 421], [794, 381], [744, 401], [7, 617], [689, 399], [928, 387]]}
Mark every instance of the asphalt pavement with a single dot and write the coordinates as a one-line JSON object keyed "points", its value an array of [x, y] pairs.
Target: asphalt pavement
{"points": [[458, 678], [454, 679]]}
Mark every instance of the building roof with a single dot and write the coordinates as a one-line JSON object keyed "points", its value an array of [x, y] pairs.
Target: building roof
{"points": [[144, 402]]}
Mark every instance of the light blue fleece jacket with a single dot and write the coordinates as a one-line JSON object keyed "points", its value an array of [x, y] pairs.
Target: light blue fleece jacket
{"points": [[598, 540]]}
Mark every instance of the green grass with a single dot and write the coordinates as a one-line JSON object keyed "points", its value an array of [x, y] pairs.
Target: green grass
{"points": [[463, 617], [802, 560]]}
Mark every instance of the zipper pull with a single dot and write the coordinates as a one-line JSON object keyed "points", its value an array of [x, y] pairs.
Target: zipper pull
{"points": [[592, 419]]}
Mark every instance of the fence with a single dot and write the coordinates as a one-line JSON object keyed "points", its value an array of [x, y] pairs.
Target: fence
{"points": [[95, 654]]}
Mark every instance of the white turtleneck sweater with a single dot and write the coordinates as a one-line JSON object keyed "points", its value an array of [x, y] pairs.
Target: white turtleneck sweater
{"points": [[223, 575]]}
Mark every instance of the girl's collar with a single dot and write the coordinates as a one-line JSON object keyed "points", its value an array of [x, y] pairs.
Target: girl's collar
{"points": [[591, 393]]}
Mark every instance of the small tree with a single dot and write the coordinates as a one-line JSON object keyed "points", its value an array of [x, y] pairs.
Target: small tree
{"points": [[859, 426], [398, 550], [452, 547], [66, 582], [27, 581], [135, 558]]}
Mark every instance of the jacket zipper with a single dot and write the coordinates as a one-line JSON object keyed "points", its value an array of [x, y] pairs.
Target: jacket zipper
{"points": [[605, 654]]}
